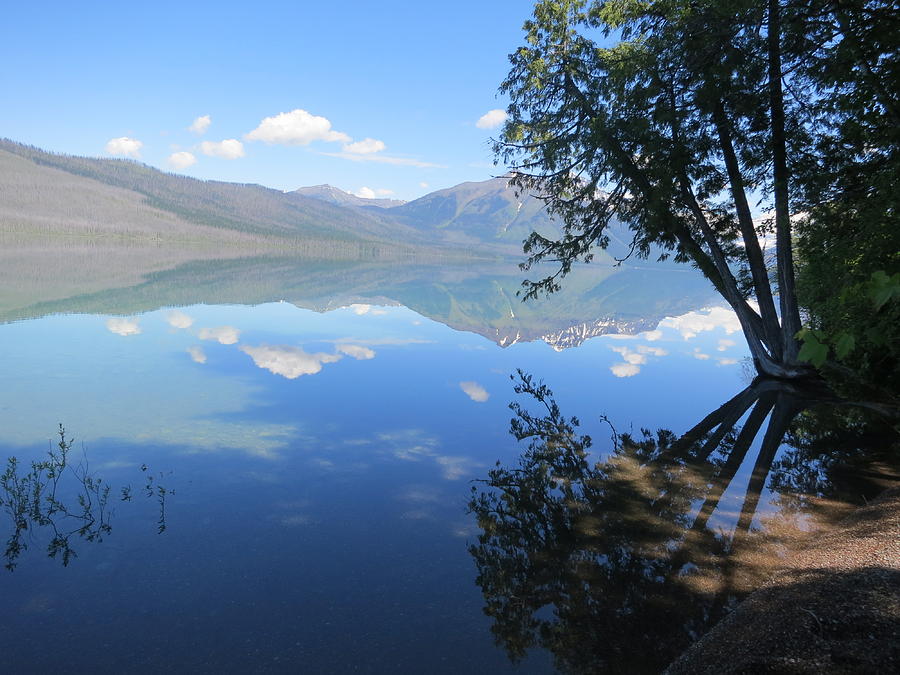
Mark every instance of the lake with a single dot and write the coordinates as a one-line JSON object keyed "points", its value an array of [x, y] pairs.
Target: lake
{"points": [[299, 444]]}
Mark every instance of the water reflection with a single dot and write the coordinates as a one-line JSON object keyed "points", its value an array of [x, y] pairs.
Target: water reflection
{"points": [[123, 327], [618, 565], [633, 359], [179, 320], [328, 452], [475, 391], [287, 361], [475, 296], [59, 499]]}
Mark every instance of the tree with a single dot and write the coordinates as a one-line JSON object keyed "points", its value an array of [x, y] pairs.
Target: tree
{"points": [[698, 107], [849, 240], [65, 501]]}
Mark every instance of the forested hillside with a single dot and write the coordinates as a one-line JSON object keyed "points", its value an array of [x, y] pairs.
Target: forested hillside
{"points": [[51, 195], [37, 199], [248, 209], [494, 212]]}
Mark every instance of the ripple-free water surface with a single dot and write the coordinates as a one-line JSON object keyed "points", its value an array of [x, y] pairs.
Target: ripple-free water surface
{"points": [[321, 464]]}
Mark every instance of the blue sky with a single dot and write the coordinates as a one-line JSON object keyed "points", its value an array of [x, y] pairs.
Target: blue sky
{"points": [[379, 95]]}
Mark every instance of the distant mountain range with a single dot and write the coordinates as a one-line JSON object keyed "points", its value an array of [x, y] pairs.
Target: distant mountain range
{"points": [[486, 212], [333, 195], [80, 234], [52, 194]]}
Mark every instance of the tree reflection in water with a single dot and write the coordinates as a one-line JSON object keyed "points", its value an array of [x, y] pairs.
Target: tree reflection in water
{"points": [[64, 500], [614, 565]]}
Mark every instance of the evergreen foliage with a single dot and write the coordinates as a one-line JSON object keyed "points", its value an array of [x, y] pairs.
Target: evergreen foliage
{"points": [[694, 111]]}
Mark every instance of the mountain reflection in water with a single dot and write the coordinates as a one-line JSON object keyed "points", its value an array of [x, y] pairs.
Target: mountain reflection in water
{"points": [[618, 565], [474, 296]]}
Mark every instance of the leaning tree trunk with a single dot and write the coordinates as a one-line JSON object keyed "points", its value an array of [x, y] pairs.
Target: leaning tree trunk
{"points": [[790, 313]]}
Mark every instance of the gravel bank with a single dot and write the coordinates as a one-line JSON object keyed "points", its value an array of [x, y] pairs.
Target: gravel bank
{"points": [[833, 608]]}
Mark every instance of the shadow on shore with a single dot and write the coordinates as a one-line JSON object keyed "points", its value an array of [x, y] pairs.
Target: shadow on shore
{"points": [[618, 565]]}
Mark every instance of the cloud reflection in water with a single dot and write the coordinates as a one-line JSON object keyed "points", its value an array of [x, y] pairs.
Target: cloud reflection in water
{"points": [[226, 335], [197, 354], [358, 352], [692, 324], [124, 327], [289, 362], [178, 319], [475, 391]]}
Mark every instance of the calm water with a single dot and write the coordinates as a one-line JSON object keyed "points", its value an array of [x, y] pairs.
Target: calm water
{"points": [[321, 463]]}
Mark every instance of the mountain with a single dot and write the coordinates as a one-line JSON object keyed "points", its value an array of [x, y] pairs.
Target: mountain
{"points": [[493, 213], [333, 195], [66, 195], [51, 195], [485, 212], [114, 236], [46, 193]]}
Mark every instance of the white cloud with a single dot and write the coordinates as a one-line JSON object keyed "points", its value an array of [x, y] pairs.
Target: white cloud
{"points": [[226, 335], [475, 391], [630, 356], [700, 355], [411, 445], [634, 358], [358, 352], [625, 369], [230, 148], [200, 125], [123, 326], [360, 310], [408, 445], [726, 362], [652, 335], [454, 468], [369, 193], [178, 319], [181, 160], [367, 146], [724, 344], [423, 184], [693, 323], [491, 119], [289, 362], [197, 354], [129, 147], [297, 127], [384, 159]]}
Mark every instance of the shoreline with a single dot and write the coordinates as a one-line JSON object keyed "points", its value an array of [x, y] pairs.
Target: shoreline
{"points": [[833, 607]]}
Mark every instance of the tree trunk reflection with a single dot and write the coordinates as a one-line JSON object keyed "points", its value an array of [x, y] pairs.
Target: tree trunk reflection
{"points": [[617, 565]]}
